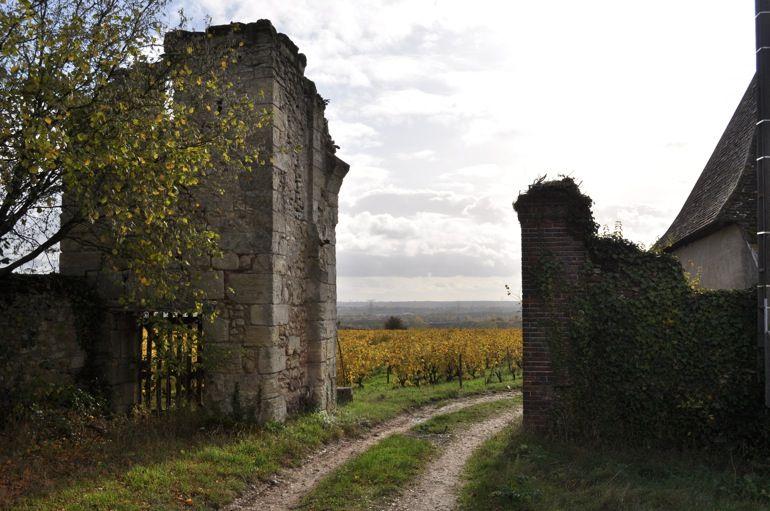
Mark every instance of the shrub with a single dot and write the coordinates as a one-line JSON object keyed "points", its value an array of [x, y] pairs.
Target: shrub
{"points": [[394, 323]]}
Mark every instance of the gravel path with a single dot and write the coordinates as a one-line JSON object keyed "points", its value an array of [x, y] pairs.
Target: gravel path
{"points": [[437, 489], [289, 486]]}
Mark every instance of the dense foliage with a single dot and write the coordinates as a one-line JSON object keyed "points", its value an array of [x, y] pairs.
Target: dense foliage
{"points": [[651, 359], [414, 357]]}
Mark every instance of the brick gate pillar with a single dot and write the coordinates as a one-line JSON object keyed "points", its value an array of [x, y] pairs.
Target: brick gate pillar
{"points": [[554, 218]]}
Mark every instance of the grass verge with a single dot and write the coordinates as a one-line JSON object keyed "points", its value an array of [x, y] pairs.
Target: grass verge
{"points": [[379, 400], [451, 422], [515, 471], [372, 476], [183, 464], [388, 466]]}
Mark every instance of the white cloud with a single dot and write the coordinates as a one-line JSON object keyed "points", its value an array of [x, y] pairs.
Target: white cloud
{"points": [[446, 109], [361, 179], [424, 288], [409, 202], [354, 134], [396, 105], [424, 154], [488, 210]]}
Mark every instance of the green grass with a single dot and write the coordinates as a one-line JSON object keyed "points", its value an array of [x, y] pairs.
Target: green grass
{"points": [[514, 471], [388, 466], [450, 422], [373, 475], [137, 468], [379, 400]]}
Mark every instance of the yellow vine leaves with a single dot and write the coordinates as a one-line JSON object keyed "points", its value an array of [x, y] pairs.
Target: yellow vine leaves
{"points": [[413, 357]]}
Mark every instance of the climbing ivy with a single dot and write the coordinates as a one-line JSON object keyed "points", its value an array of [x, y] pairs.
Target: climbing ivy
{"points": [[566, 193], [654, 361]]}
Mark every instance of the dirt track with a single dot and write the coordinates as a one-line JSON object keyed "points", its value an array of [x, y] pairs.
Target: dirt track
{"points": [[289, 486], [437, 489]]}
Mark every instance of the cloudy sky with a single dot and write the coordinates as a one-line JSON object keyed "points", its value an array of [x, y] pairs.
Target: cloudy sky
{"points": [[446, 110]]}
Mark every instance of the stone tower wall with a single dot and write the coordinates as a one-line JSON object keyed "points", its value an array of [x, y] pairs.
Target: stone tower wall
{"points": [[273, 341]]}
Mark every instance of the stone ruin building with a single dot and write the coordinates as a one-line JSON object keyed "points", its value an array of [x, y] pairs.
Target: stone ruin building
{"points": [[275, 285]]}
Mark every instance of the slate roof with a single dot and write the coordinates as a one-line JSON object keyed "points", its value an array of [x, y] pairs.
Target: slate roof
{"points": [[726, 189]]}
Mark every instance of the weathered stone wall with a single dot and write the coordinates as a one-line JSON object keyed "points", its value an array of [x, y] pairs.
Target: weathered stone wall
{"points": [[272, 344], [48, 336], [278, 322], [56, 332]]}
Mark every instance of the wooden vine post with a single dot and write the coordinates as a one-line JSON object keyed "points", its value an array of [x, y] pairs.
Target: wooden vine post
{"points": [[460, 369]]}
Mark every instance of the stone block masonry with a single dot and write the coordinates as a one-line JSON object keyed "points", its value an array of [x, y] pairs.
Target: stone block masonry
{"points": [[50, 332], [553, 252], [274, 286], [56, 333]]}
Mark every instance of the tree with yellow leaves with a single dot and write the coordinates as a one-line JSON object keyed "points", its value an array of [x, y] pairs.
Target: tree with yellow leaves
{"points": [[101, 135]]}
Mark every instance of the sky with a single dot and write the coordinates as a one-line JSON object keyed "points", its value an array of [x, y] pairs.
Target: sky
{"points": [[447, 110]]}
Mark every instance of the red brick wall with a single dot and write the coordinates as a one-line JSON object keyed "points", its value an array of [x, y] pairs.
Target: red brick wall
{"points": [[553, 252]]}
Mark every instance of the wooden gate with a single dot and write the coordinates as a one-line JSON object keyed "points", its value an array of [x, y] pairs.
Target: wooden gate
{"points": [[170, 368]]}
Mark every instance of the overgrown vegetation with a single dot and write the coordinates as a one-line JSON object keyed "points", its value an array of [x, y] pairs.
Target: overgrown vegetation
{"points": [[648, 358], [514, 471], [185, 461], [654, 360]]}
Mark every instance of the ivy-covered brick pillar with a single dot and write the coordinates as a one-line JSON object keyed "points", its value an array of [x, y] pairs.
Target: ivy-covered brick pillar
{"points": [[554, 216]]}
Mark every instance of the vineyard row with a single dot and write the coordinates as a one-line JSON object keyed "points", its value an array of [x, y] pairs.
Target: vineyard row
{"points": [[415, 357]]}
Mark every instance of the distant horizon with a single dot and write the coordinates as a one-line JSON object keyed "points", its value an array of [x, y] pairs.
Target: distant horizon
{"points": [[432, 313]]}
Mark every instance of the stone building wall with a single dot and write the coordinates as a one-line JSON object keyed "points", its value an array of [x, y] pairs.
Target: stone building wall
{"points": [[723, 259], [272, 344], [58, 330]]}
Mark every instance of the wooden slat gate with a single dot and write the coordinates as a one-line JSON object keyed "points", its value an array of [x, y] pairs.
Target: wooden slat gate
{"points": [[171, 364]]}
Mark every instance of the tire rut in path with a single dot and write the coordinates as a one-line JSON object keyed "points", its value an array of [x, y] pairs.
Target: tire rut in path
{"points": [[438, 487], [291, 484]]}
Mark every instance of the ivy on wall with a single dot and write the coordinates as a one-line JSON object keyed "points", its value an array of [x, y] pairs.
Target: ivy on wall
{"points": [[653, 361]]}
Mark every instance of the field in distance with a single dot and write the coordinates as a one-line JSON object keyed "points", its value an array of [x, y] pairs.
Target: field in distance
{"points": [[429, 356]]}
